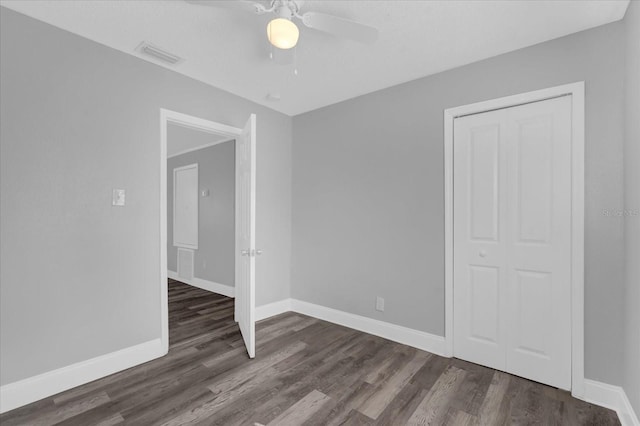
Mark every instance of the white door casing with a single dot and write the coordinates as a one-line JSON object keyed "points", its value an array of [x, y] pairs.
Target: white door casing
{"points": [[247, 299], [512, 240], [245, 233]]}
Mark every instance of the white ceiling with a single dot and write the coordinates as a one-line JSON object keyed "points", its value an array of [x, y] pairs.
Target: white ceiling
{"points": [[228, 48]]}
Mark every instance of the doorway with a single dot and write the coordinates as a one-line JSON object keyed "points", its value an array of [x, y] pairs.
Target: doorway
{"points": [[190, 193], [514, 189]]}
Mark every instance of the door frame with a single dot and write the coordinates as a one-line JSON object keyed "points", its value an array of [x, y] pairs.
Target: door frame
{"points": [[576, 91], [177, 118]]}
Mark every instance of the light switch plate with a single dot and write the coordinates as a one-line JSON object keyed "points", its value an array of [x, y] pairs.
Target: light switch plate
{"points": [[118, 197]]}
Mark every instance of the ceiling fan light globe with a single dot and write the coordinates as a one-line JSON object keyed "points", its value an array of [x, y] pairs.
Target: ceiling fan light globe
{"points": [[282, 33]]}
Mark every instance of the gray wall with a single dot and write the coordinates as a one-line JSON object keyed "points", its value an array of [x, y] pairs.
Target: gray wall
{"points": [[632, 204], [214, 260], [368, 207], [79, 278]]}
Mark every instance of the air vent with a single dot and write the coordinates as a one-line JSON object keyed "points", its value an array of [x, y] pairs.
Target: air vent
{"points": [[158, 54], [185, 264]]}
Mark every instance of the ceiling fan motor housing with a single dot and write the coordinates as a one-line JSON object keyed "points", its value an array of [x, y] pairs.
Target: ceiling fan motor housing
{"points": [[285, 8]]}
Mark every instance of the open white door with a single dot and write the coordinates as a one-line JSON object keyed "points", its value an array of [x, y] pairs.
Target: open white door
{"points": [[245, 234]]}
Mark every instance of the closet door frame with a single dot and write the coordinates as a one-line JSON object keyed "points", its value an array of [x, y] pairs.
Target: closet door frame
{"points": [[576, 91]]}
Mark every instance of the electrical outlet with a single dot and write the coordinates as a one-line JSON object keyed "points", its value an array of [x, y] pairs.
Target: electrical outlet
{"points": [[379, 304]]}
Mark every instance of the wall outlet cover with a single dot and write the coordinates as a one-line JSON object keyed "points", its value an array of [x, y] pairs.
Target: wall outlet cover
{"points": [[118, 197], [379, 304]]}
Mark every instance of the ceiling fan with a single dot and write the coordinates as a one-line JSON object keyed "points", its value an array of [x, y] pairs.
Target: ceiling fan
{"points": [[282, 31]]}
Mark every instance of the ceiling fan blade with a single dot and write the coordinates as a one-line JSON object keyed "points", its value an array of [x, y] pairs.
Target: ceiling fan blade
{"points": [[340, 27], [247, 6]]}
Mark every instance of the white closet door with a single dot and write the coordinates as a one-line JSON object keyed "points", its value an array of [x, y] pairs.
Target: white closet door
{"points": [[479, 239], [512, 221], [185, 206], [539, 241]]}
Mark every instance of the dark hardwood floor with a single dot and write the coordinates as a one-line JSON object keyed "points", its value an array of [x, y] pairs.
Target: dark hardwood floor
{"points": [[306, 371]]}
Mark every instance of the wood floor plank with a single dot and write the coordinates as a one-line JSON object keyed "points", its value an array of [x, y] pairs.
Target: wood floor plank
{"points": [[103, 415], [431, 371], [388, 390], [472, 390], [356, 395], [490, 413], [465, 419], [221, 357], [306, 372], [57, 414], [356, 418], [276, 330], [402, 406], [382, 369], [436, 402], [233, 385], [235, 378], [299, 412], [315, 369]]}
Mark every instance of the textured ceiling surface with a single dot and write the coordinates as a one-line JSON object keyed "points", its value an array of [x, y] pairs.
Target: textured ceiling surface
{"points": [[228, 49]]}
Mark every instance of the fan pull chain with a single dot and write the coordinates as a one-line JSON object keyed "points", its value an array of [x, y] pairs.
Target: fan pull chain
{"points": [[295, 60], [271, 51]]}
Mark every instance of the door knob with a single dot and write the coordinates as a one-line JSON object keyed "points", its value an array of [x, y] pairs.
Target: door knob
{"points": [[258, 252], [244, 252], [483, 253]]}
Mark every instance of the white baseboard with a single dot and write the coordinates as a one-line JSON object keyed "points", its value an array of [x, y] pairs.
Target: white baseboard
{"points": [[23, 392], [613, 397], [273, 309], [407, 336], [223, 289]]}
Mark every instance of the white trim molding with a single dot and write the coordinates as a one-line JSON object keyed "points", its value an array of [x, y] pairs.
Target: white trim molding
{"points": [[214, 287], [272, 309], [407, 336], [576, 91], [397, 333], [23, 392], [613, 397], [167, 116], [199, 147]]}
